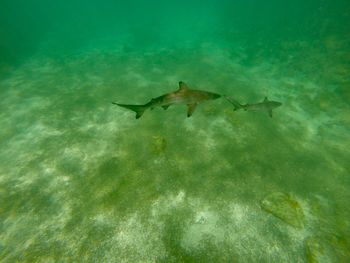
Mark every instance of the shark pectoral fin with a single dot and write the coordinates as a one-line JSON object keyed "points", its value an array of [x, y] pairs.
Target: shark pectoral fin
{"points": [[270, 113], [138, 115], [165, 107], [191, 108]]}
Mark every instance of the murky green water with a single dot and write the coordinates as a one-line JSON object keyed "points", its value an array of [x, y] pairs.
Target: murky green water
{"points": [[81, 180]]}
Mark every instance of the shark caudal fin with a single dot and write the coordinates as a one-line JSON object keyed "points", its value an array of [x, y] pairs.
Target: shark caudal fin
{"points": [[138, 109], [235, 103]]}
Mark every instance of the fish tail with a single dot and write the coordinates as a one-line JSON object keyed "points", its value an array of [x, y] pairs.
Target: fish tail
{"points": [[235, 103], [138, 109]]}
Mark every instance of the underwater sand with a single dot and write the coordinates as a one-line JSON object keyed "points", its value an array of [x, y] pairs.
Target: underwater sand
{"points": [[82, 181]]}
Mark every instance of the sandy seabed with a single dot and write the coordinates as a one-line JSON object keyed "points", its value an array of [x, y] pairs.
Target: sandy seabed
{"points": [[82, 181]]}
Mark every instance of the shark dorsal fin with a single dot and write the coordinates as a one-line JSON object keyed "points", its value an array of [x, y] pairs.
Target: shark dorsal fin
{"points": [[182, 86], [265, 100]]}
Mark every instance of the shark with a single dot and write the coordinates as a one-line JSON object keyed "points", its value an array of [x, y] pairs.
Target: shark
{"points": [[183, 95], [265, 105]]}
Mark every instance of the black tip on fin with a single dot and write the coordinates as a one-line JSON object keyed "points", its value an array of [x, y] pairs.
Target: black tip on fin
{"points": [[191, 108]]}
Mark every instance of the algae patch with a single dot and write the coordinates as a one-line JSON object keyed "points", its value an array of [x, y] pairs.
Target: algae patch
{"points": [[284, 207], [331, 247], [314, 251], [159, 145]]}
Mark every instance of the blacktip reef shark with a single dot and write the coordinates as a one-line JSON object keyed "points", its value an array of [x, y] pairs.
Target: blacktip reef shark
{"points": [[265, 105], [183, 95]]}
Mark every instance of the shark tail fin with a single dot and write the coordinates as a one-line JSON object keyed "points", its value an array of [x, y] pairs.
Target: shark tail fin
{"points": [[235, 103], [138, 109]]}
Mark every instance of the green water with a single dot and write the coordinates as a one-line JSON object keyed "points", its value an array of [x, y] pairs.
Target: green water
{"points": [[81, 180]]}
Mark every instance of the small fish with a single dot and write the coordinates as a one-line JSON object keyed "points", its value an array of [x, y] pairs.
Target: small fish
{"points": [[183, 95], [265, 105]]}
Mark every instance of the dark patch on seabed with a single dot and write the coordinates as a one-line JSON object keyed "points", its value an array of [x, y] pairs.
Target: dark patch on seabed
{"points": [[81, 180]]}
